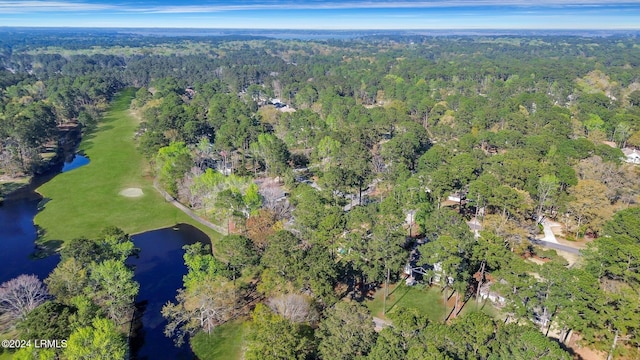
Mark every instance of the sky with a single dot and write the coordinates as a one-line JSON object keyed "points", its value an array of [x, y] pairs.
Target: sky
{"points": [[327, 15]]}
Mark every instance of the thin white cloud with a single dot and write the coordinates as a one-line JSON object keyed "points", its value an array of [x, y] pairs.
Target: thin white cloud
{"points": [[17, 7], [26, 6], [306, 5]]}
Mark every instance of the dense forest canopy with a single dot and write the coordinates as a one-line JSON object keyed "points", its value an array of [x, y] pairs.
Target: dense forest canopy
{"points": [[333, 163]]}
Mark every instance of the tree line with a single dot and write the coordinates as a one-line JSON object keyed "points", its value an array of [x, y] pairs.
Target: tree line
{"points": [[87, 301], [519, 128]]}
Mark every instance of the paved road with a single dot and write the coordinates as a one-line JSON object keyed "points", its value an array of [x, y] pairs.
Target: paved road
{"points": [[475, 227], [556, 246]]}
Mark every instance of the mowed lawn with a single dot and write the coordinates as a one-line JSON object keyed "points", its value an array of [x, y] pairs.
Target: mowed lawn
{"points": [[224, 342], [428, 301], [83, 201]]}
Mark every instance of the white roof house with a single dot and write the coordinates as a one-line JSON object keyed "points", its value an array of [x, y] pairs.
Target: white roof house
{"points": [[632, 155]]}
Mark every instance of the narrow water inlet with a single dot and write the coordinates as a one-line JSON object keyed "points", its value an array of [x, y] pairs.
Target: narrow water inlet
{"points": [[159, 270], [75, 162]]}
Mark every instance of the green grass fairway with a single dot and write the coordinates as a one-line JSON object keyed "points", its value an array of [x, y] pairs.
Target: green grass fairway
{"points": [[224, 342], [85, 200]]}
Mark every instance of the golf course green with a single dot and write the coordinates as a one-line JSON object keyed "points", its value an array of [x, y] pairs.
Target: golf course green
{"points": [[115, 188]]}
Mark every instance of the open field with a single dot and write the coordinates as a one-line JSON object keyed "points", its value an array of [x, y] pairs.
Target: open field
{"points": [[426, 300], [224, 342], [83, 201]]}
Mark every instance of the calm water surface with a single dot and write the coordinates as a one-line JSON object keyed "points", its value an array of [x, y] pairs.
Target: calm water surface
{"points": [[159, 270], [75, 162], [18, 233], [17, 236]]}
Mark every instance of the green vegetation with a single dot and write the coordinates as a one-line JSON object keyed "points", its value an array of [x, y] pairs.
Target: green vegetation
{"points": [[346, 332], [370, 140], [427, 301], [224, 342], [87, 199], [11, 186], [274, 336], [207, 300], [88, 301]]}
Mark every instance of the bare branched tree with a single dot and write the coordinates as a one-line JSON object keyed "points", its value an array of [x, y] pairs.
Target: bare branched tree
{"points": [[8, 161], [273, 199], [21, 295], [185, 185], [203, 307], [282, 209], [621, 180], [270, 192], [379, 167], [294, 307]]}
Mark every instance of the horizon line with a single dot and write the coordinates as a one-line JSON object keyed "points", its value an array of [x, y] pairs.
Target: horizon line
{"points": [[317, 29]]}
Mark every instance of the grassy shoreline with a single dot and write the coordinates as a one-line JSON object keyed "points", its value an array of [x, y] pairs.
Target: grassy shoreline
{"points": [[7, 187], [85, 200]]}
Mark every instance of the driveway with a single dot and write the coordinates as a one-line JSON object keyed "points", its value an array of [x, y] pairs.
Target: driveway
{"points": [[549, 236]]}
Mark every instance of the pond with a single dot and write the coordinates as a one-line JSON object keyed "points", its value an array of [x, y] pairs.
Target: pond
{"points": [[18, 233], [159, 270], [17, 236]]}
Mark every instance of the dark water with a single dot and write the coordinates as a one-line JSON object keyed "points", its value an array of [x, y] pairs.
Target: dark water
{"points": [[75, 162], [18, 233], [159, 270], [17, 236]]}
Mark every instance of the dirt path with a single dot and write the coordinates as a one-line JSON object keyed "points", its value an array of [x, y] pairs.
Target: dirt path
{"points": [[188, 211], [585, 353]]}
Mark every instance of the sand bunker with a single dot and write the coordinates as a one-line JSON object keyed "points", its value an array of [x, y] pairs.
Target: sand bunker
{"points": [[132, 192]]}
